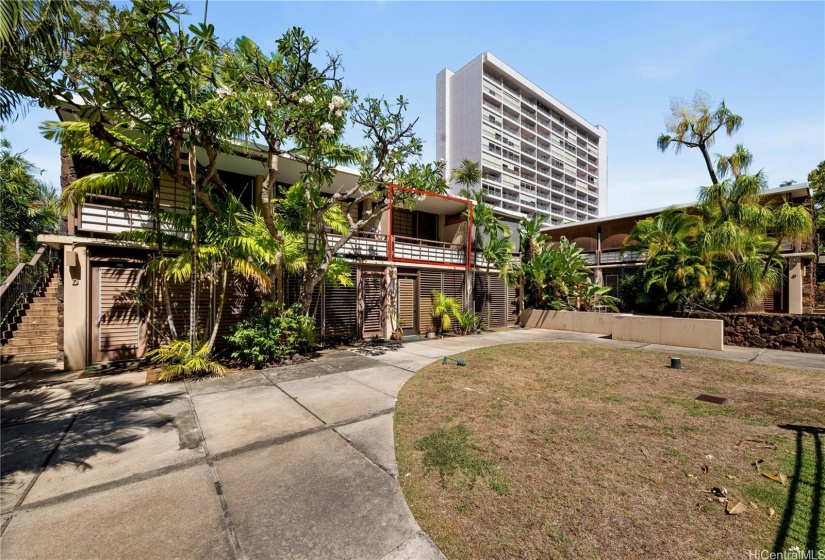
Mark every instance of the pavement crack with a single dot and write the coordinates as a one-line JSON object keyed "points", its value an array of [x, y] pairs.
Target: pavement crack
{"points": [[234, 541]]}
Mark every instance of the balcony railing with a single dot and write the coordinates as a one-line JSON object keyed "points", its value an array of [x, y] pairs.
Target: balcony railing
{"points": [[363, 244], [24, 281], [99, 218], [426, 250], [609, 257]]}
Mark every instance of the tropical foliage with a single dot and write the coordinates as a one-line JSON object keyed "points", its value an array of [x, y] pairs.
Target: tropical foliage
{"points": [[268, 334], [468, 322], [725, 252], [444, 308], [176, 360], [27, 207], [157, 102], [559, 277]]}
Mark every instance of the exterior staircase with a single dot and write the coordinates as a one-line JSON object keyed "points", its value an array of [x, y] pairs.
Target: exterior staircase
{"points": [[32, 333]]}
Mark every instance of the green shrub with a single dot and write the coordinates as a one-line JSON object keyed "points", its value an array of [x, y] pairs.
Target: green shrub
{"points": [[269, 334], [468, 322]]}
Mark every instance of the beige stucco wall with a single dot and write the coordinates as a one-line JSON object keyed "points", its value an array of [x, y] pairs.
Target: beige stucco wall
{"points": [[671, 331], [597, 323], [75, 317], [707, 334]]}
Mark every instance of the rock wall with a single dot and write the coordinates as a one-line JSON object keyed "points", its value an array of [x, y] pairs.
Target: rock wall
{"points": [[794, 333]]}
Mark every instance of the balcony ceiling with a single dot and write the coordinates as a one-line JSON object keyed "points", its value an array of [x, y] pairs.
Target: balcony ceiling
{"points": [[438, 205]]}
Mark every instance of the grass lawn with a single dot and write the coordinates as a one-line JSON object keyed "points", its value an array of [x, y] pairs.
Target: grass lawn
{"points": [[559, 450]]}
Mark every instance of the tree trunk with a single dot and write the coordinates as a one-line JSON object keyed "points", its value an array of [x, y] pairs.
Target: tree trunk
{"points": [[164, 286], [219, 310], [193, 279], [703, 148], [17, 247], [264, 193], [305, 299]]}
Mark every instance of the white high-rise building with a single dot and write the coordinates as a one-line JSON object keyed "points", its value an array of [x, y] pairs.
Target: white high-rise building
{"points": [[536, 155]]}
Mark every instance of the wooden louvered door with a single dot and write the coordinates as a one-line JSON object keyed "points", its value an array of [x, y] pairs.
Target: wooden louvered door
{"points": [[371, 294], [777, 301], [512, 305], [454, 285], [499, 303], [481, 303], [407, 305], [340, 312], [428, 280], [118, 322]]}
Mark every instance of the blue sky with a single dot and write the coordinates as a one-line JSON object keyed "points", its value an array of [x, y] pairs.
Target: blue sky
{"points": [[617, 64]]}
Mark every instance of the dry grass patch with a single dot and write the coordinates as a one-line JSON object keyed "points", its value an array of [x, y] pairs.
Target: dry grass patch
{"points": [[558, 450]]}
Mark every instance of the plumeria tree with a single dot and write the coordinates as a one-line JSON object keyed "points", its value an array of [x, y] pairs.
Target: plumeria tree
{"points": [[143, 91], [301, 111]]}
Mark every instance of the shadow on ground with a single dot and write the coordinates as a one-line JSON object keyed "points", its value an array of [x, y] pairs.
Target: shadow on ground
{"points": [[803, 518]]}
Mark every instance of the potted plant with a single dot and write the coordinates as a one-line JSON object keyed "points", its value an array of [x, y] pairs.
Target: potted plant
{"points": [[398, 331]]}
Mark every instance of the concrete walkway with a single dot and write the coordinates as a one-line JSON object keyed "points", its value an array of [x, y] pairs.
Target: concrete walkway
{"points": [[293, 462]]}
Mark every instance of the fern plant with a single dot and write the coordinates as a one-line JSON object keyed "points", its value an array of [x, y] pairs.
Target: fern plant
{"points": [[175, 361]]}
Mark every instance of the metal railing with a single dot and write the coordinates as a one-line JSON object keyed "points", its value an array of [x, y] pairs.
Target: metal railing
{"points": [[25, 280]]}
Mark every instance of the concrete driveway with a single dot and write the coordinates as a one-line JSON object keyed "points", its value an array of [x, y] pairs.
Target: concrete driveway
{"points": [[293, 462]]}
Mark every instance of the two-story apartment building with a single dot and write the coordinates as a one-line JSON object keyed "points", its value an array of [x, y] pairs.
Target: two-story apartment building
{"points": [[113, 309], [603, 239]]}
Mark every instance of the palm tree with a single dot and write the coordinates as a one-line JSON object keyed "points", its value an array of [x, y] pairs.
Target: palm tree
{"points": [[443, 307], [468, 174], [532, 240], [674, 263], [744, 235], [694, 126], [34, 35], [27, 206]]}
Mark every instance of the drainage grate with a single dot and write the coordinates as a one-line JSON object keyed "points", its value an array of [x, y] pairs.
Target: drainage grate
{"points": [[710, 399]]}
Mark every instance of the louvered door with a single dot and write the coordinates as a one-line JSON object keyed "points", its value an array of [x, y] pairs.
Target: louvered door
{"points": [[340, 312], [498, 304], [117, 316], [428, 280], [371, 294], [406, 304]]}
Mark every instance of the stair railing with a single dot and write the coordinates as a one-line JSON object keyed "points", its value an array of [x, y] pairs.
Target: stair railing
{"points": [[25, 279]]}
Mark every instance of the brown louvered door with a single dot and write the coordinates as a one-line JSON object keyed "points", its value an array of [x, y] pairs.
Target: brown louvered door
{"points": [[406, 305], [117, 319], [499, 304], [454, 285], [371, 292], [481, 304], [512, 305], [340, 312], [428, 280]]}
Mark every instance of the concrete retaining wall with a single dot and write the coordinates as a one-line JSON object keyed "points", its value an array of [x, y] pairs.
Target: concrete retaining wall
{"points": [[707, 334]]}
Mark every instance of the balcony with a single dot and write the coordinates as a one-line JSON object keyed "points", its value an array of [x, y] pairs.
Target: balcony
{"points": [[495, 191], [98, 218], [362, 245], [609, 257], [409, 248], [491, 178]]}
